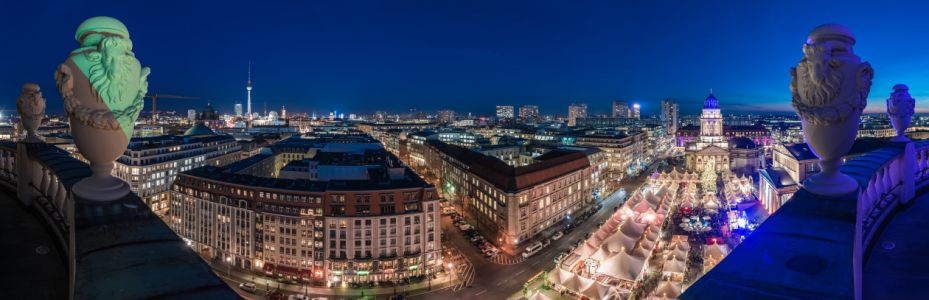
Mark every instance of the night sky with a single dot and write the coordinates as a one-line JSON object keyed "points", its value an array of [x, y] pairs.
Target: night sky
{"points": [[362, 56]]}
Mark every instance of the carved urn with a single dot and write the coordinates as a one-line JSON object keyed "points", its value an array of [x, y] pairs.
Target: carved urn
{"points": [[900, 108], [31, 108], [102, 85], [830, 88]]}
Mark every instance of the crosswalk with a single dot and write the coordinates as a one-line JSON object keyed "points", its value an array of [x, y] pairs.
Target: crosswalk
{"points": [[504, 259]]}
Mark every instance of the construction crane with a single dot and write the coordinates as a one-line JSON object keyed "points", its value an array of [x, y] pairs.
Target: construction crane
{"points": [[155, 98]]}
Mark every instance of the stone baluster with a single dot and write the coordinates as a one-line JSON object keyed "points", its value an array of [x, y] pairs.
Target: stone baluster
{"points": [[43, 182], [52, 187], [873, 193], [61, 195], [923, 165], [879, 183]]}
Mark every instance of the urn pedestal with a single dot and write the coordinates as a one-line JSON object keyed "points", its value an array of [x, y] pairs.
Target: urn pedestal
{"points": [[101, 148], [830, 144], [901, 123]]}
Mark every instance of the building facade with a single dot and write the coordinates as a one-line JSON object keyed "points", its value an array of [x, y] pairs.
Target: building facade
{"points": [[621, 109], [624, 153], [714, 149], [669, 115], [379, 228], [505, 114], [576, 110]]}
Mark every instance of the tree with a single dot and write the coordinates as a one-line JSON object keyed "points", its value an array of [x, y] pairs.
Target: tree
{"points": [[708, 179]]}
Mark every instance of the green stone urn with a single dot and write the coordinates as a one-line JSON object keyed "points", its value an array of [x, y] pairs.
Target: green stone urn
{"points": [[102, 85]]}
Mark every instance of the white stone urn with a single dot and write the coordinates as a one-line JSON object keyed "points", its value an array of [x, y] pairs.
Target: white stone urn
{"points": [[31, 108], [102, 85], [900, 108], [830, 88]]}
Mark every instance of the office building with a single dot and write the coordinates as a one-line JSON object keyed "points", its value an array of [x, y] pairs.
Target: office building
{"points": [[669, 115], [505, 114], [529, 113], [445, 117], [621, 109], [576, 110]]}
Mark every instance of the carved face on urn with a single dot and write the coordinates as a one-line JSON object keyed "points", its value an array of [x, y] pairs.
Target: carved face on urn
{"points": [[30, 103], [830, 83], [900, 104]]}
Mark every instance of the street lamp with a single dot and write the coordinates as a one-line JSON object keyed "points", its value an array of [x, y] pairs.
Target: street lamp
{"points": [[228, 266], [449, 274]]}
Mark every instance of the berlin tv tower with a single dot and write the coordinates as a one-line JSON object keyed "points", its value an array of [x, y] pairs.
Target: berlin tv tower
{"points": [[249, 90]]}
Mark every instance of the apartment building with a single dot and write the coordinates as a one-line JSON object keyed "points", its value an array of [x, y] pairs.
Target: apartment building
{"points": [[623, 152], [512, 205], [357, 225]]}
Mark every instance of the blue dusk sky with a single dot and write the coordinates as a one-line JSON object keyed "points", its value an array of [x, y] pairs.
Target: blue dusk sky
{"points": [[469, 56]]}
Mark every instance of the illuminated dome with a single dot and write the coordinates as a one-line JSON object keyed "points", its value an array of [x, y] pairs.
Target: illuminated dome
{"points": [[711, 102], [208, 109], [272, 116], [741, 143]]}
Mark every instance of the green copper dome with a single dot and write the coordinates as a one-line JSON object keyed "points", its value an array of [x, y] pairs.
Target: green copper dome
{"points": [[199, 129]]}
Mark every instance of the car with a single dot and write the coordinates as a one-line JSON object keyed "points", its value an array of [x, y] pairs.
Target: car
{"points": [[567, 230], [588, 235], [248, 287], [557, 236], [578, 242], [275, 294], [476, 238], [560, 257], [600, 224], [491, 253], [489, 249], [546, 242]]}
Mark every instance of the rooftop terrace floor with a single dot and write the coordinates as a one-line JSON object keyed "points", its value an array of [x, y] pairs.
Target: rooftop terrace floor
{"points": [[901, 272], [24, 272]]}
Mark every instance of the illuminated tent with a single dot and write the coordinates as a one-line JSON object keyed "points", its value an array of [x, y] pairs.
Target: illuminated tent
{"points": [[652, 199], [576, 283], [642, 207], [631, 229], [604, 231], [651, 235], [641, 251], [619, 242], [668, 289], [673, 266], [538, 296], [585, 250], [602, 254], [595, 241], [715, 250], [678, 253], [623, 266], [680, 245], [597, 291]]}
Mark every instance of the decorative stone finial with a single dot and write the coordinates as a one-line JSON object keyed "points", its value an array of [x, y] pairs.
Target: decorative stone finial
{"points": [[830, 88], [102, 85], [900, 108], [31, 108]]}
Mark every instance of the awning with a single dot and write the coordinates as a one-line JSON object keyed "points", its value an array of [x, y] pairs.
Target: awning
{"points": [[288, 271], [268, 268], [306, 274]]}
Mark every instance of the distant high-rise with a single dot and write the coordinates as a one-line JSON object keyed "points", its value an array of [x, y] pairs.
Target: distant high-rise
{"points": [[249, 88], [283, 113], [576, 110], [504, 113], [445, 116], [529, 113], [420, 114], [380, 116], [192, 114], [634, 113], [238, 109], [669, 115], [621, 109]]}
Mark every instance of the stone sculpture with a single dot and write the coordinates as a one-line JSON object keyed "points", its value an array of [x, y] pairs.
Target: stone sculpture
{"points": [[900, 108], [830, 88], [102, 85], [31, 108]]}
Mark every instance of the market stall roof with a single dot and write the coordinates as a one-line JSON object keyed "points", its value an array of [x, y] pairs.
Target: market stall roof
{"points": [[673, 266], [680, 244], [538, 296], [585, 250], [602, 254], [651, 235], [715, 250], [668, 289], [604, 232], [597, 290], [595, 241], [631, 229], [288, 271], [577, 283], [662, 191], [677, 253], [559, 275], [652, 199], [641, 251], [619, 242], [623, 266]]}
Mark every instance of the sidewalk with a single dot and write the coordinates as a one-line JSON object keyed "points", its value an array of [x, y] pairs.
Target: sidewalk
{"points": [[264, 283]]}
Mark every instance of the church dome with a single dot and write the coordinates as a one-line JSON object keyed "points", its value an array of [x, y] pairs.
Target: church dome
{"points": [[741, 143], [208, 109], [199, 129], [711, 102]]}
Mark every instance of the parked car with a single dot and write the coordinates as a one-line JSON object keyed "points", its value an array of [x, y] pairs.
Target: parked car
{"points": [[557, 235], [489, 249], [275, 294], [248, 287], [476, 238], [464, 226], [491, 253], [600, 224], [546, 242], [578, 242], [588, 235], [560, 257], [567, 230]]}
